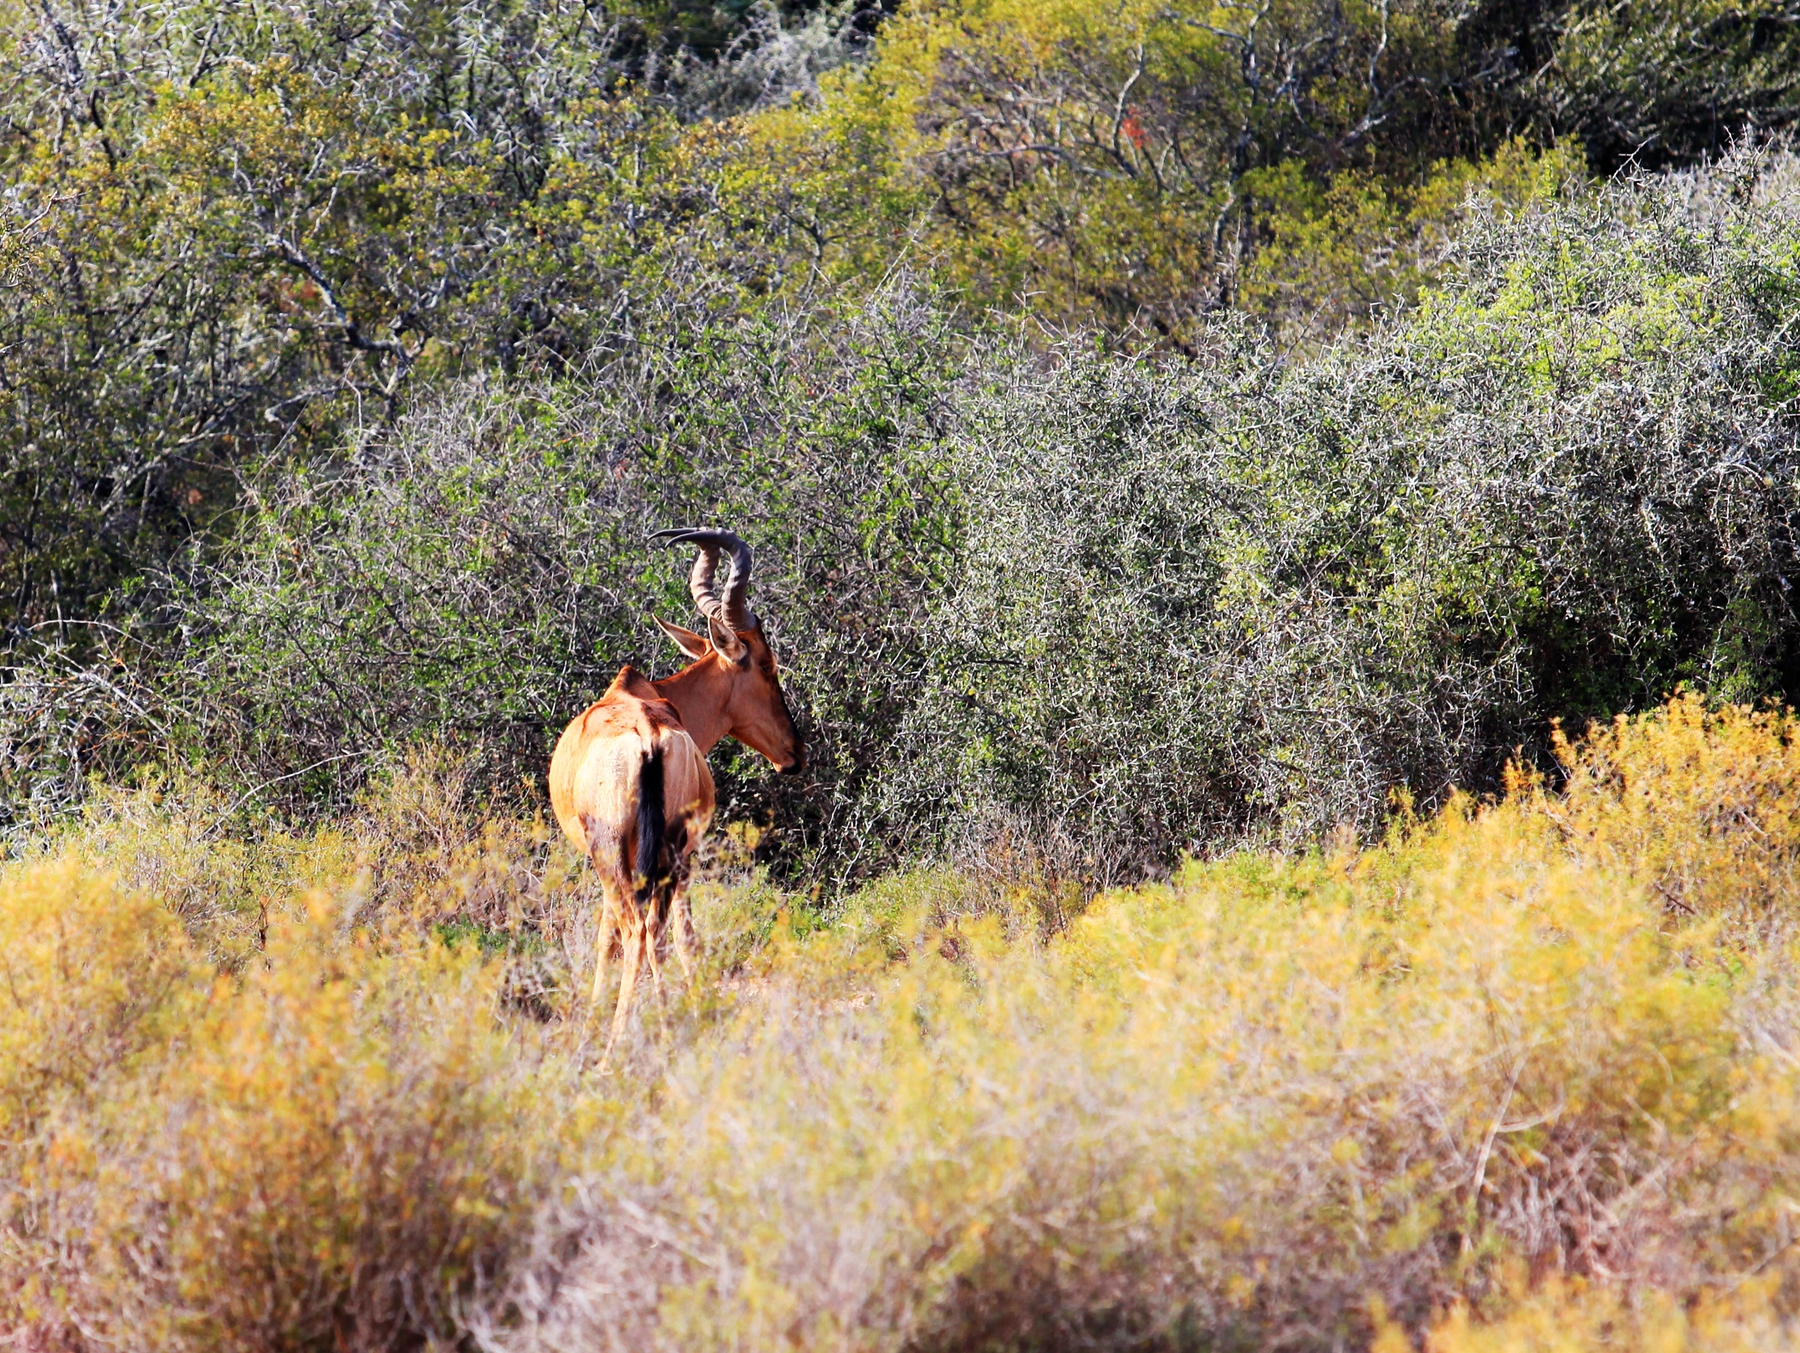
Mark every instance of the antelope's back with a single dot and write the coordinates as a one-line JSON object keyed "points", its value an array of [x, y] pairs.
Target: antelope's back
{"points": [[596, 774]]}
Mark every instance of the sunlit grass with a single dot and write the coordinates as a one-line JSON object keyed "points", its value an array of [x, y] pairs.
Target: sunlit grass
{"points": [[1521, 1077]]}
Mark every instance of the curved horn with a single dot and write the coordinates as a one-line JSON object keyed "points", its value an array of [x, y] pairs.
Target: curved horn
{"points": [[730, 603]]}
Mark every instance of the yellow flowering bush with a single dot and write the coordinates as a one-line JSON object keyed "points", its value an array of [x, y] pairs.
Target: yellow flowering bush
{"points": [[1521, 1077], [331, 1145], [1702, 806], [1275, 1102]]}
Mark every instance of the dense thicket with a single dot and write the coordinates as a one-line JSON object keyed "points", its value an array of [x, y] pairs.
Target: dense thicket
{"points": [[1138, 165], [347, 349], [486, 573], [1198, 599], [237, 230], [1102, 608]]}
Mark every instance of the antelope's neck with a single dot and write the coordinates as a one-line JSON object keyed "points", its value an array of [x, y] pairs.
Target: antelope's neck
{"points": [[700, 694]]}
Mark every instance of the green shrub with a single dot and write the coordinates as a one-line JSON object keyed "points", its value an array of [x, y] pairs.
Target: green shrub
{"points": [[1069, 609], [1195, 599], [1662, 83], [231, 233], [485, 576]]}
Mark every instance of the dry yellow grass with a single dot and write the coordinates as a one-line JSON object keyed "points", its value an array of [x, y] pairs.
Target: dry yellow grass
{"points": [[1523, 1077]]}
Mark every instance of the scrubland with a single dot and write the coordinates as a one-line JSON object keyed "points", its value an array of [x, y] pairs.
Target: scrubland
{"points": [[1197, 457], [1522, 1076]]}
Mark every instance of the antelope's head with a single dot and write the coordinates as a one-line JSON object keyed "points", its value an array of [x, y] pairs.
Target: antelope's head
{"points": [[751, 705]]}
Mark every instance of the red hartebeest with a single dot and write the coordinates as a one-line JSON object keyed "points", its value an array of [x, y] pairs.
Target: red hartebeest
{"points": [[629, 782]]}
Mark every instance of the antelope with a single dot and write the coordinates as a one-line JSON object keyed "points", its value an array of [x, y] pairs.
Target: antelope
{"points": [[629, 782]]}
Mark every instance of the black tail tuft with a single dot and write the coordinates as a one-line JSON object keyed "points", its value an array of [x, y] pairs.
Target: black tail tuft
{"points": [[649, 868]]}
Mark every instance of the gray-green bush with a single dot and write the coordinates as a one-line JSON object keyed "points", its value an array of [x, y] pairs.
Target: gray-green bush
{"points": [[486, 572], [1233, 594], [1070, 608]]}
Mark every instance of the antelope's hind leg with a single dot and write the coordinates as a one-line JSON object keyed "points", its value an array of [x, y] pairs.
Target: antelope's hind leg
{"points": [[604, 935], [599, 845], [681, 922], [656, 936], [631, 923]]}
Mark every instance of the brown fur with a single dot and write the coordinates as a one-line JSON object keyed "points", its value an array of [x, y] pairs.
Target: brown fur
{"points": [[595, 781], [603, 762]]}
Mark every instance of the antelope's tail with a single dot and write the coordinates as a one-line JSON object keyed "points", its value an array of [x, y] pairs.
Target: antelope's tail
{"points": [[649, 867]]}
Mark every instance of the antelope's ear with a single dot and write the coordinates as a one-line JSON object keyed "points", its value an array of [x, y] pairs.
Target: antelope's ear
{"points": [[686, 640], [724, 638]]}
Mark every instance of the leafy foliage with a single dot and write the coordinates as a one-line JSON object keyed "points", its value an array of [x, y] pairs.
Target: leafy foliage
{"points": [[487, 574], [249, 229], [1123, 165], [1198, 597], [1667, 83], [244, 231], [1067, 607]]}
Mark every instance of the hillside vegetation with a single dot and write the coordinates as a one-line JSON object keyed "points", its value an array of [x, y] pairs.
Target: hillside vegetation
{"points": [[1279, 523], [1162, 426]]}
